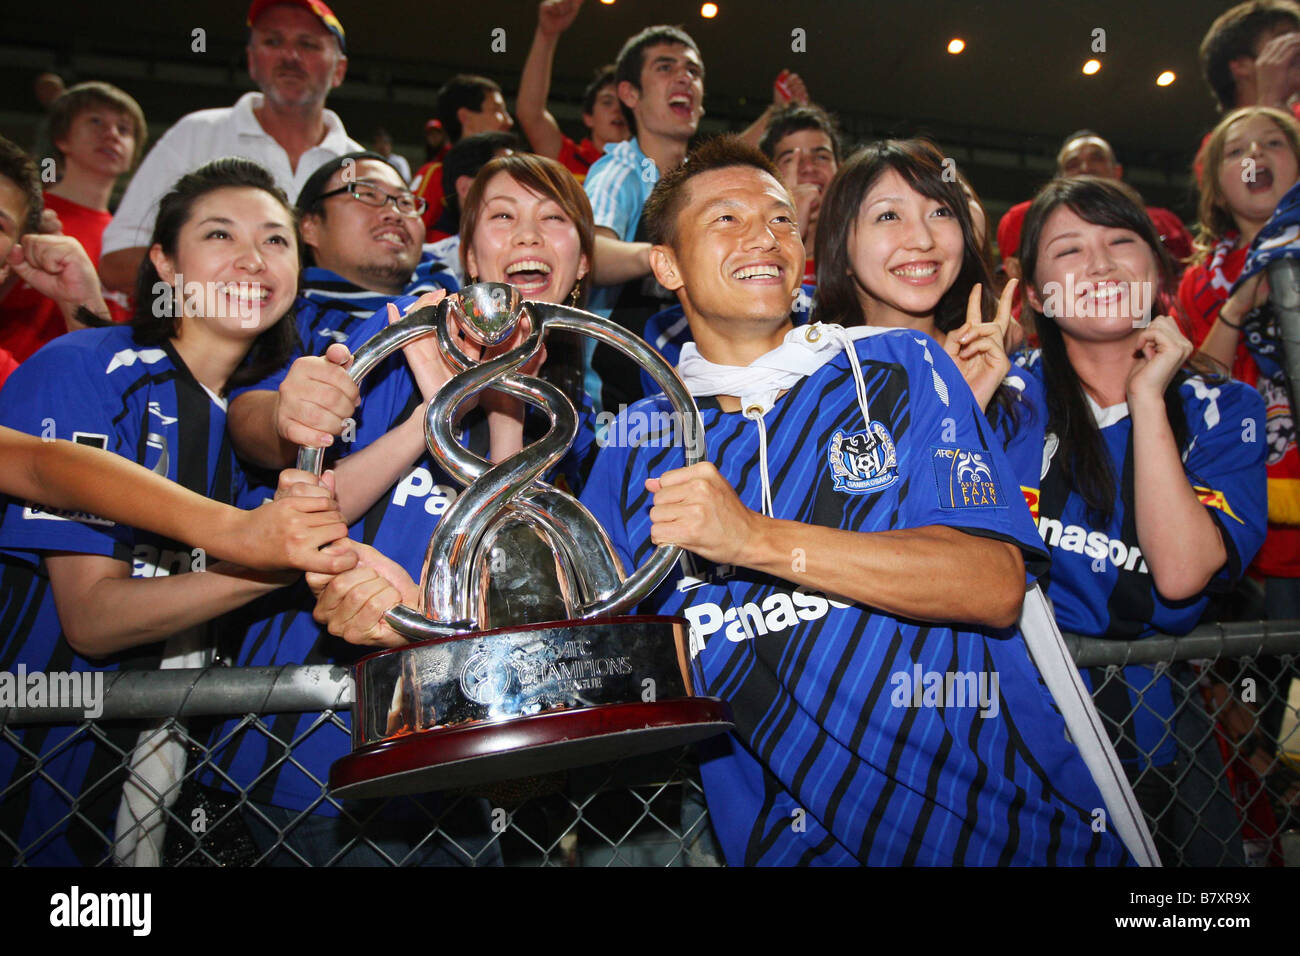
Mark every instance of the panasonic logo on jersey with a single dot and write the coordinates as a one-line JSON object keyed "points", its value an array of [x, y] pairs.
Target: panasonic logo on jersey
{"points": [[419, 484], [1093, 544], [779, 611]]}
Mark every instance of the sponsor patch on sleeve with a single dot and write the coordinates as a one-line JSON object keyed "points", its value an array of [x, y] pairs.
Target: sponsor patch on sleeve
{"points": [[1215, 499], [966, 478], [1031, 499], [92, 439]]}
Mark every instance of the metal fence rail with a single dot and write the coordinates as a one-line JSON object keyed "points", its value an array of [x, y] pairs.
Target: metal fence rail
{"points": [[1231, 796], [206, 692]]}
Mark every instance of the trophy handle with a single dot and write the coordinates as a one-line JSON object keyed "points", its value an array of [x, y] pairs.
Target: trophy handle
{"points": [[374, 350], [646, 578], [539, 501], [378, 347]]}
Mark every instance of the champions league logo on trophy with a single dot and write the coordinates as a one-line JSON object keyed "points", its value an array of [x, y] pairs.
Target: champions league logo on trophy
{"points": [[520, 664]]}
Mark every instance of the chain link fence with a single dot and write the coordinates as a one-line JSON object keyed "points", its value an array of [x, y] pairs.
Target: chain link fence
{"points": [[1230, 796]]}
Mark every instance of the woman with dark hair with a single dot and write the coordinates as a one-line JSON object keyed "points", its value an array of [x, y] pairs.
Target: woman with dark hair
{"points": [[897, 248], [83, 593], [256, 299], [1150, 494]]}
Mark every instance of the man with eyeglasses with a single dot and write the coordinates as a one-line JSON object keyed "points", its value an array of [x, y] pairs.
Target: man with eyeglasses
{"points": [[363, 246], [297, 54], [362, 224]]}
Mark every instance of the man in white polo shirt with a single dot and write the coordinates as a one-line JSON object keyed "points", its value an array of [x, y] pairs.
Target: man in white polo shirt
{"points": [[296, 55]]}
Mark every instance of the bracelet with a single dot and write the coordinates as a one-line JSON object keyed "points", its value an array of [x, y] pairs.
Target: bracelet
{"points": [[1231, 325]]}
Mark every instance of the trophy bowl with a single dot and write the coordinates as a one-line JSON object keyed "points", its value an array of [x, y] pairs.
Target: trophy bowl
{"points": [[521, 661]]}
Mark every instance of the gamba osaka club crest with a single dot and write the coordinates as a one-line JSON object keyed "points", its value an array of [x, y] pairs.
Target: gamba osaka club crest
{"points": [[863, 462], [965, 478]]}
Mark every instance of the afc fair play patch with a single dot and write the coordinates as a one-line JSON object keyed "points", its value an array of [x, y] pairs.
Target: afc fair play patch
{"points": [[863, 462], [966, 478]]}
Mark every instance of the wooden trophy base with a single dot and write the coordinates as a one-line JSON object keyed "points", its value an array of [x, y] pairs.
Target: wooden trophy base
{"points": [[524, 746]]}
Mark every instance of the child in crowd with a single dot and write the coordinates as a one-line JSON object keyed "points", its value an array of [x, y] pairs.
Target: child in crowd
{"points": [[1252, 159], [99, 134]]}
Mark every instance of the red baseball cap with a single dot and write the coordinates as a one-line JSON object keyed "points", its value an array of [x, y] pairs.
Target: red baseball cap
{"points": [[317, 7], [1009, 230]]}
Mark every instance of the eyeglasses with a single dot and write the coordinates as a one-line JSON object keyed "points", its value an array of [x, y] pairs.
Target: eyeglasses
{"points": [[406, 204]]}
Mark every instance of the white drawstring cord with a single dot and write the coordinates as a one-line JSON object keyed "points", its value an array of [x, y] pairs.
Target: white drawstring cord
{"points": [[758, 385], [841, 335], [755, 414], [755, 411]]}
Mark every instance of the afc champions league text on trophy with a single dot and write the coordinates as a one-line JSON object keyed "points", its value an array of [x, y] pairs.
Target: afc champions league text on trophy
{"points": [[520, 663]]}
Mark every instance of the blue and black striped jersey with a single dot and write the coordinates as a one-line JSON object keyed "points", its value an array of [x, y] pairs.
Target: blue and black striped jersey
{"points": [[862, 737], [1099, 583], [329, 291], [96, 387]]}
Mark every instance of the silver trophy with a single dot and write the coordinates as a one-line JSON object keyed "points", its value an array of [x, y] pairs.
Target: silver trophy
{"points": [[520, 664]]}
